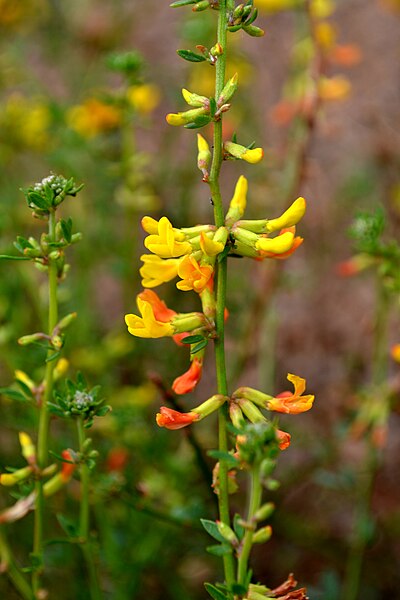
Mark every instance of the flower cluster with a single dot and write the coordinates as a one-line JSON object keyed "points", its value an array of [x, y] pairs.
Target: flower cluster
{"points": [[190, 255], [77, 400]]}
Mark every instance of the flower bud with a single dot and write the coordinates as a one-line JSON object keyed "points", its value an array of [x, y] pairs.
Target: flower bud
{"points": [[31, 339], [203, 156], [264, 512], [66, 321], [238, 203], [194, 99], [182, 118], [216, 50], [228, 90], [262, 535], [199, 6], [253, 155], [227, 533], [9, 479], [27, 447], [253, 395]]}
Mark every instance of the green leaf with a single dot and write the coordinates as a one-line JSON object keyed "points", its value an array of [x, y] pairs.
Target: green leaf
{"points": [[66, 228], [230, 460], [238, 590], [38, 200], [212, 529], [191, 56], [214, 592], [199, 346], [179, 3], [25, 389], [13, 394], [53, 356], [70, 528], [192, 339], [10, 257], [220, 549], [238, 528]]}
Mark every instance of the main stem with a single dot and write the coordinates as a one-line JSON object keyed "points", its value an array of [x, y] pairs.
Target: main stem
{"points": [[254, 505], [43, 428], [223, 497], [12, 569], [84, 517]]}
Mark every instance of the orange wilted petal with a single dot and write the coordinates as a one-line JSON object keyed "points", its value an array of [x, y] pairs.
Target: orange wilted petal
{"points": [[292, 403], [67, 467], [173, 419], [283, 438], [187, 382]]}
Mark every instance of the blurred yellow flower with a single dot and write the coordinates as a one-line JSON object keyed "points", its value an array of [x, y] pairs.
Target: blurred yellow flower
{"points": [[334, 88], [93, 117], [144, 98], [25, 122], [275, 5]]}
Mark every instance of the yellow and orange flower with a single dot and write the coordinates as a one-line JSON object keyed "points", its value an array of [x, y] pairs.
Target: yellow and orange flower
{"points": [[148, 325], [194, 275], [173, 419], [292, 403]]}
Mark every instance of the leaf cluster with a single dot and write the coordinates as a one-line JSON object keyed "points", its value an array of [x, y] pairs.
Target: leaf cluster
{"points": [[77, 400]]}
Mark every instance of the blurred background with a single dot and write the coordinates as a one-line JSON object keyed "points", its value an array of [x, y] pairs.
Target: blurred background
{"points": [[84, 89]]}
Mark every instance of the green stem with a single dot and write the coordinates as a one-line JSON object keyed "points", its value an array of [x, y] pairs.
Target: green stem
{"points": [[43, 427], [223, 497], [84, 520], [16, 577], [254, 505], [363, 517]]}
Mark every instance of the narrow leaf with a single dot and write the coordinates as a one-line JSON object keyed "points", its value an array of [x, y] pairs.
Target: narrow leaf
{"points": [[212, 529], [220, 549], [192, 339], [191, 56], [199, 346], [214, 592]]}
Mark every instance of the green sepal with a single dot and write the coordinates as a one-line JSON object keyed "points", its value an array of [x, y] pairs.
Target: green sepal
{"points": [[191, 56], [252, 17], [234, 28], [201, 121]]}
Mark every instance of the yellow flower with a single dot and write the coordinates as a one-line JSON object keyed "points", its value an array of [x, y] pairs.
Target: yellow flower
{"points": [[253, 155], [334, 88], [144, 98], [238, 203], [93, 117], [147, 325], [275, 5], [278, 245], [321, 9], [194, 276], [210, 247], [167, 242], [290, 217], [156, 270], [182, 118], [27, 121]]}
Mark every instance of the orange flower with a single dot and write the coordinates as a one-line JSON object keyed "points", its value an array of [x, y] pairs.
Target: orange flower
{"points": [[194, 276], [295, 403], [173, 419], [160, 309], [188, 381], [67, 468], [283, 438]]}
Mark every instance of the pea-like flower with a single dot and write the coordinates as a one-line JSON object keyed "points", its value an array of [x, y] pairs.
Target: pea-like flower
{"points": [[156, 270], [194, 276], [173, 419], [250, 155], [164, 240], [187, 382], [157, 320]]}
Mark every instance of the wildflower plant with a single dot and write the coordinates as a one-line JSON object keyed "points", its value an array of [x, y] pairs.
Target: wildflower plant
{"points": [[40, 479], [197, 257]]}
